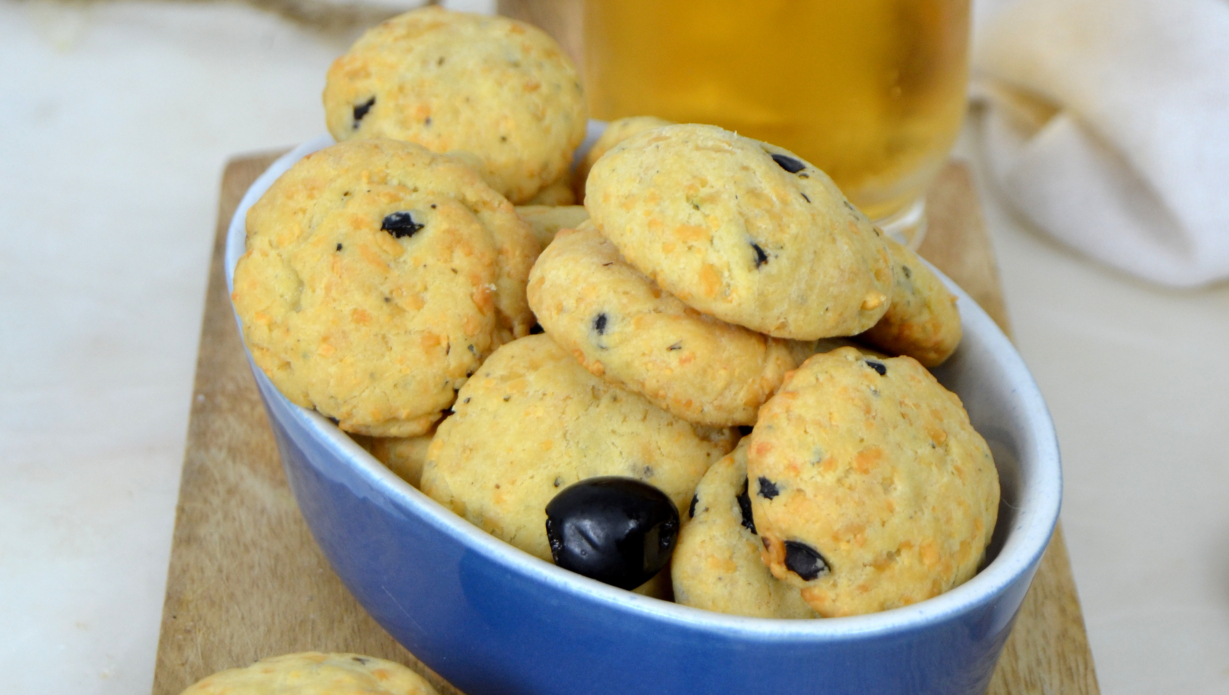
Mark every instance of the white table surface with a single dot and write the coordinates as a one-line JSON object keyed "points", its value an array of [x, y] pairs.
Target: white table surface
{"points": [[117, 119]]}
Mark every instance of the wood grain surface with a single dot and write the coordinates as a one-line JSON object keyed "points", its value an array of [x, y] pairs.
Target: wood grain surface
{"points": [[247, 581]]}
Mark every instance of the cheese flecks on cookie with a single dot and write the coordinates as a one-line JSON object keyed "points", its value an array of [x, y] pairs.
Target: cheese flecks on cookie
{"points": [[500, 90], [741, 230], [869, 486], [377, 276]]}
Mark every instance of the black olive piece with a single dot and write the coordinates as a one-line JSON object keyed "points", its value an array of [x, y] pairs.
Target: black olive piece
{"points": [[768, 489], [804, 561], [619, 531], [599, 324], [789, 164], [744, 506], [400, 224], [361, 110], [877, 366], [339, 247], [691, 508], [760, 257]]}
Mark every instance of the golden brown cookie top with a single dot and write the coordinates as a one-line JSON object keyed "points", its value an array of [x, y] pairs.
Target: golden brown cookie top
{"points": [[623, 328], [377, 276], [532, 421], [741, 230], [869, 486], [497, 88], [315, 673]]}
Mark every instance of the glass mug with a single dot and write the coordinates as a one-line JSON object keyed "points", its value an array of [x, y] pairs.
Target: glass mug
{"points": [[871, 91]]}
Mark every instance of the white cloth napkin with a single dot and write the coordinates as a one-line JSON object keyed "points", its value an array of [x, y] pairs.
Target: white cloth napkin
{"points": [[1107, 125]]}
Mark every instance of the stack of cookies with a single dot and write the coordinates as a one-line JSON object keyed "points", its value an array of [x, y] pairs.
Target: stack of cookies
{"points": [[711, 289]]}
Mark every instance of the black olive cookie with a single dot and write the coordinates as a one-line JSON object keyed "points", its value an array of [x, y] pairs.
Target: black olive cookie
{"points": [[869, 487], [376, 278], [532, 421], [623, 328], [716, 564], [315, 673], [922, 320], [547, 220], [741, 230], [499, 89], [616, 132]]}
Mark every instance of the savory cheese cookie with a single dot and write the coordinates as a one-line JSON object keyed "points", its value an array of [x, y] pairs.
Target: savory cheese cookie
{"points": [[922, 320], [547, 220], [376, 278], [716, 564], [404, 456], [491, 86], [869, 487], [314, 673], [532, 421], [623, 328], [741, 230], [616, 132]]}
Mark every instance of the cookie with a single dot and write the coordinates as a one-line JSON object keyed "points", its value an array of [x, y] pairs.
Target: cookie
{"points": [[546, 220], [741, 230], [922, 320], [556, 194], [376, 278], [499, 89], [532, 421], [315, 673], [404, 456], [616, 132], [716, 564], [623, 328], [869, 487]]}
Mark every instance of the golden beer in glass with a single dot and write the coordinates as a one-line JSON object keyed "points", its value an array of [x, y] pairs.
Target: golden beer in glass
{"points": [[870, 91]]}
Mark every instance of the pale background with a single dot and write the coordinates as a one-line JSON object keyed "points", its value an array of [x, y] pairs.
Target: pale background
{"points": [[117, 119]]}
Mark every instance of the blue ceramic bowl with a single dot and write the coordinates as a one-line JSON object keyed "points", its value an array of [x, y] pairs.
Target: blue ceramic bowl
{"points": [[493, 619]]}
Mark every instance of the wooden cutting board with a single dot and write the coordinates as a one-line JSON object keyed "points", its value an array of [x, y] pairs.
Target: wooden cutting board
{"points": [[246, 580]]}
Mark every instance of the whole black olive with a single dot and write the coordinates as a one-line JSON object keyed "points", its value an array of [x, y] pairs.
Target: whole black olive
{"points": [[616, 530]]}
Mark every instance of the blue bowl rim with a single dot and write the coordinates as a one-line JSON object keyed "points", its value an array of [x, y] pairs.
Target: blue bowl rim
{"points": [[1026, 542]]}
